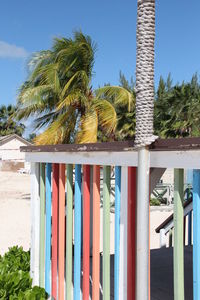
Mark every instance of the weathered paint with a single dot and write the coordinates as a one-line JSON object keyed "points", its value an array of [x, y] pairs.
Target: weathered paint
{"points": [[106, 232], [69, 231], [196, 234], [61, 230], [42, 224], [77, 233], [117, 230], [48, 231], [178, 235], [96, 233], [54, 259]]}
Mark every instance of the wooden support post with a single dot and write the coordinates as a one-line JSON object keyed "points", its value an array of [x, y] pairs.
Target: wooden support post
{"points": [[131, 253], [54, 260], [96, 233], [61, 230], [86, 232], [69, 231], [35, 222], [178, 235], [42, 224], [117, 229], [196, 234], [48, 231], [123, 235], [106, 232], [77, 234]]}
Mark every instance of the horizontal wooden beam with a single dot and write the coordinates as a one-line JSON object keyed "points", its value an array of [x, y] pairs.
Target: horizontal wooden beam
{"points": [[159, 159]]}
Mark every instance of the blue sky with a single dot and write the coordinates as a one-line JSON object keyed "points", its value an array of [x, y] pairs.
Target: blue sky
{"points": [[29, 26]]}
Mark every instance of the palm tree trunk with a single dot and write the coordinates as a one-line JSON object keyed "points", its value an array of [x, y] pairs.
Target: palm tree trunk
{"points": [[144, 137]]}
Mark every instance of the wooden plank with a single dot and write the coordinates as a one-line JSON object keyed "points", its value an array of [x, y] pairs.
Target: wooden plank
{"points": [[61, 230], [106, 232], [190, 228], [54, 260], [77, 234], [86, 231], [35, 222], [123, 235], [196, 234], [42, 224], [48, 231], [178, 235], [131, 253], [158, 159], [117, 230], [69, 231], [96, 233]]}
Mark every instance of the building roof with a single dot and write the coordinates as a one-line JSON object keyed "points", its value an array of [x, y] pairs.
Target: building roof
{"points": [[7, 138]]}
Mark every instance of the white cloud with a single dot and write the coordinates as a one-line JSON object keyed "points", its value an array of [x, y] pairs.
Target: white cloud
{"points": [[11, 51]]}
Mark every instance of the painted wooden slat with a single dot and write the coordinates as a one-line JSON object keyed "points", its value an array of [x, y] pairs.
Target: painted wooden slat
{"points": [[131, 253], [86, 231], [196, 234], [48, 231], [61, 230], [106, 232], [117, 230], [54, 260], [77, 233], [42, 224], [35, 222], [123, 235], [178, 234], [96, 233], [69, 231]]}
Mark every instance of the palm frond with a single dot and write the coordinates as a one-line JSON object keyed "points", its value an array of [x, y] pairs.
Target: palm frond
{"points": [[88, 128]]}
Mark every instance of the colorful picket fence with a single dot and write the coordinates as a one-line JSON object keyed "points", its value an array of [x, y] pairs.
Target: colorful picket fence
{"points": [[64, 256], [66, 218]]}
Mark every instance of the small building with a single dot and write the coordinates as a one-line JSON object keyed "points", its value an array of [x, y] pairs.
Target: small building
{"points": [[11, 159]]}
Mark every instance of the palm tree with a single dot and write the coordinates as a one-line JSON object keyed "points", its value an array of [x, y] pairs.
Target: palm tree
{"points": [[7, 124], [59, 95]]}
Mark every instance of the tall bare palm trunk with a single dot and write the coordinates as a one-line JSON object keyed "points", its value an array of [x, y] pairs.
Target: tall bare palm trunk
{"points": [[144, 137]]}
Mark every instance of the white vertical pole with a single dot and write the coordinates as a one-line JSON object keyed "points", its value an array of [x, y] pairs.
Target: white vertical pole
{"points": [[142, 230], [123, 236], [35, 222], [162, 238]]}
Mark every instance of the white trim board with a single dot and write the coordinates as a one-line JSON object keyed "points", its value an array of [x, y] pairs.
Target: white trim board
{"points": [[189, 159]]}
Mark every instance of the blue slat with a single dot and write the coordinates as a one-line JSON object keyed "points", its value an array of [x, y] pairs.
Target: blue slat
{"points": [[196, 234], [77, 233], [117, 229], [48, 231]]}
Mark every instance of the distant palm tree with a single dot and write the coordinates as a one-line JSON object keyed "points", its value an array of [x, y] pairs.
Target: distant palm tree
{"points": [[7, 124], [58, 93]]}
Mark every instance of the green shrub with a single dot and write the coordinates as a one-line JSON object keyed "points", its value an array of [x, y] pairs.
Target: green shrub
{"points": [[15, 281], [154, 202]]}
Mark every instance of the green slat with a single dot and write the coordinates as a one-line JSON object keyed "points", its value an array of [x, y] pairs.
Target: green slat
{"points": [[42, 225], [106, 232], [69, 231], [178, 235]]}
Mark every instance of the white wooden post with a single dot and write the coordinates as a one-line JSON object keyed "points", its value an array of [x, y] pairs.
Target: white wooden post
{"points": [[123, 235], [162, 238], [35, 222]]}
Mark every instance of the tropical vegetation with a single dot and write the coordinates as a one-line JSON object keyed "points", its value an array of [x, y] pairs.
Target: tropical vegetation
{"points": [[15, 280], [7, 124], [59, 96]]}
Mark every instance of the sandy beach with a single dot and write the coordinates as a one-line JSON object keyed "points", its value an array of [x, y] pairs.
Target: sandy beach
{"points": [[15, 213]]}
